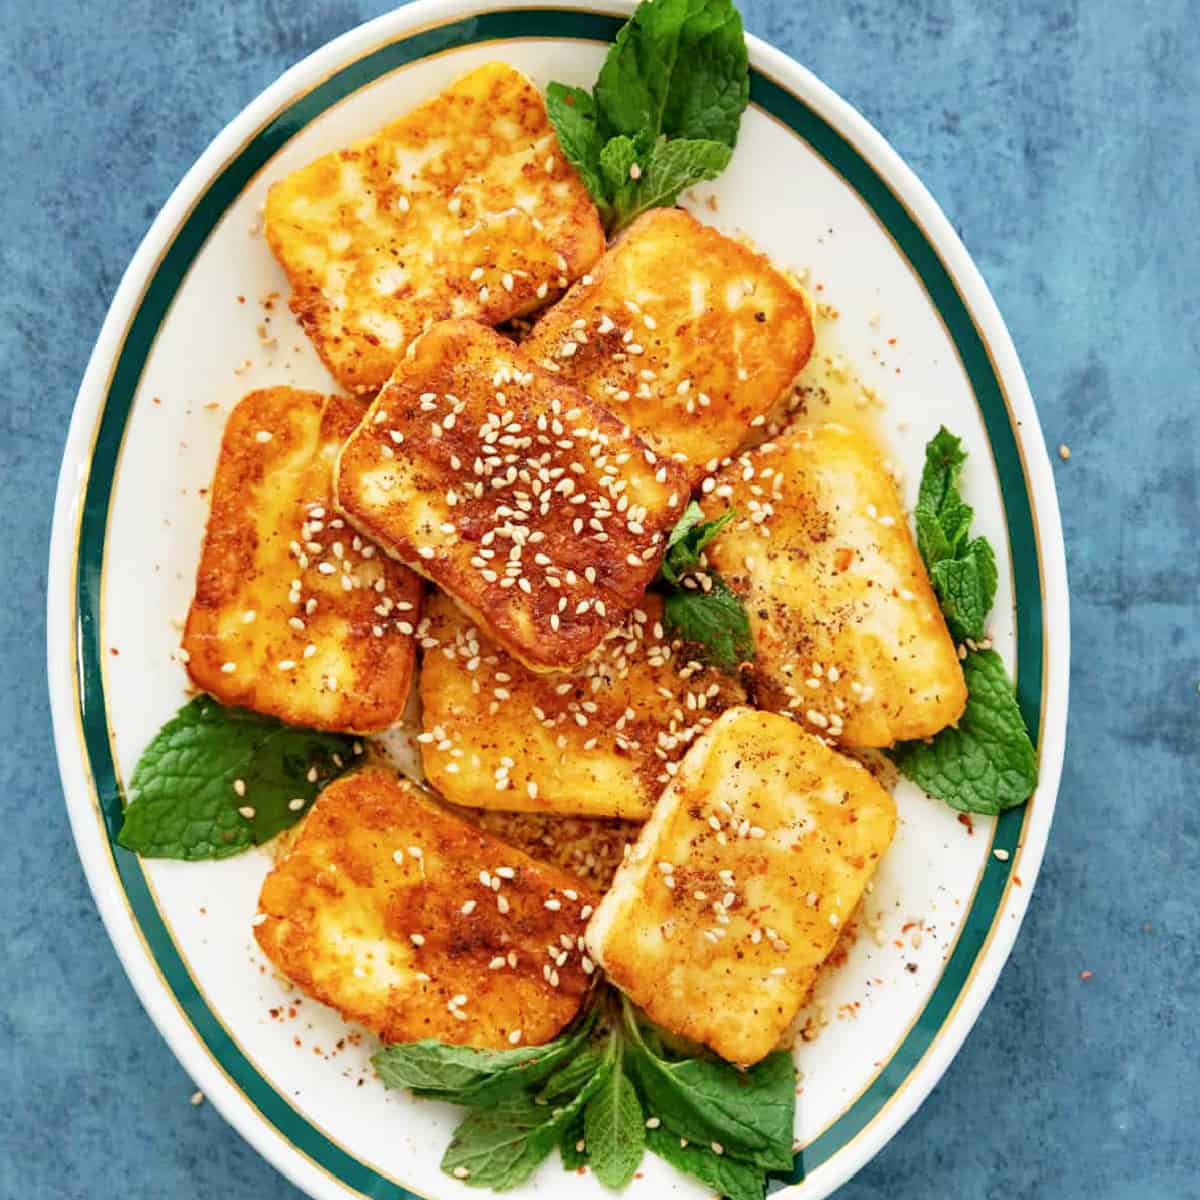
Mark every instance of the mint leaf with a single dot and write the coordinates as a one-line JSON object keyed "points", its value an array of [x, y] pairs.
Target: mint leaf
{"points": [[727, 1176], [963, 573], [216, 780], [680, 68], [966, 588], [471, 1077], [691, 534], [614, 1129], [715, 622], [501, 1146], [986, 763], [572, 112], [750, 1114]]}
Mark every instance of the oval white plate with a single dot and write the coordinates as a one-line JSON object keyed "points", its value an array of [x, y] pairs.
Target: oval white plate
{"points": [[816, 187]]}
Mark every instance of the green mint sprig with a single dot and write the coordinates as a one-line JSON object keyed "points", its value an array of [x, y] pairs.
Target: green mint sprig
{"points": [[614, 1089], [713, 617], [216, 780], [986, 763], [665, 110]]}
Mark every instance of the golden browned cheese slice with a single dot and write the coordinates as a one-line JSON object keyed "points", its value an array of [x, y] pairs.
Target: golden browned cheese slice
{"points": [[689, 336], [738, 886], [533, 507], [848, 635], [295, 614], [414, 923], [600, 741], [463, 207]]}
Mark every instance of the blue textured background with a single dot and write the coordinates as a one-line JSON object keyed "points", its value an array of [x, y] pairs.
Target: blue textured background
{"points": [[1061, 137]]}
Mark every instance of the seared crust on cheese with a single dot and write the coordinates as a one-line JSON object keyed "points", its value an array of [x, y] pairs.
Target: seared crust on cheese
{"points": [[600, 741], [294, 614], [533, 507], [416, 924], [683, 332], [848, 634], [463, 207], [738, 886]]}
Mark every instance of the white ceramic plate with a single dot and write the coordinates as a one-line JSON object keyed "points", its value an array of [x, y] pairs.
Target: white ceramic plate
{"points": [[817, 188]]}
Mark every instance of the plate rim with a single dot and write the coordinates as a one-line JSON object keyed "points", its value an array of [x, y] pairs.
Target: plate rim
{"points": [[78, 785]]}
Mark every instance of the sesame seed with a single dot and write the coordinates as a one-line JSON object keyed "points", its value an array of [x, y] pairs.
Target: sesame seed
{"points": [[514, 1037], [263, 436], [553, 905], [398, 857], [258, 919], [296, 803], [468, 908], [239, 786], [417, 939], [1001, 854], [462, 1172], [652, 1122], [228, 668], [635, 172], [247, 812], [717, 1148]]}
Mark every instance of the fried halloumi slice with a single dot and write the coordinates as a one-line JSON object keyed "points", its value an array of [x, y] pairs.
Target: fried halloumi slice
{"points": [[599, 741], [532, 506], [688, 335], [463, 207], [848, 635], [294, 614], [416, 924], [737, 888]]}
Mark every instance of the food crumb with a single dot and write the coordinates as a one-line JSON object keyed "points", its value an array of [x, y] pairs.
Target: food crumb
{"points": [[1064, 451], [1085, 975], [196, 1099]]}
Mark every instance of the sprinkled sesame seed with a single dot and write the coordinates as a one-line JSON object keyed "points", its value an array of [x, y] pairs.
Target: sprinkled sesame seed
{"points": [[263, 436], [1001, 854], [417, 939], [247, 812]]}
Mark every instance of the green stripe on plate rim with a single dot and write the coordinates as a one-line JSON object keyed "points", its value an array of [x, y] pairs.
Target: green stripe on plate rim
{"points": [[156, 302]]}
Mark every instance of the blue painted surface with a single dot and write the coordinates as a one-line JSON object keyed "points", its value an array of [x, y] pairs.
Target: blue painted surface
{"points": [[1061, 137]]}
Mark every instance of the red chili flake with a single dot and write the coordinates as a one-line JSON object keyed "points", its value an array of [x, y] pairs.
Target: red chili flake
{"points": [[113, 651], [965, 820], [1085, 975]]}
